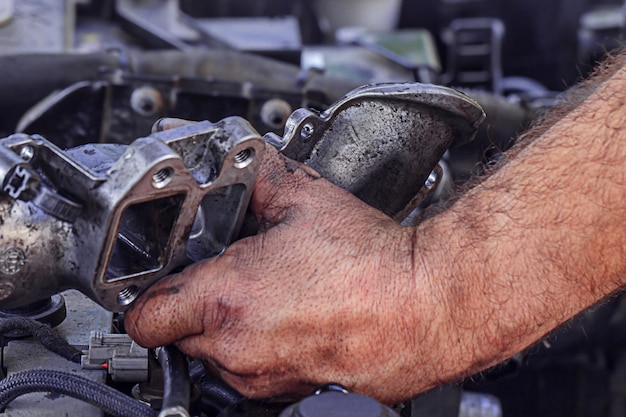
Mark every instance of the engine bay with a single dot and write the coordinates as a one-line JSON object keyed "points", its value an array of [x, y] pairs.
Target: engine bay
{"points": [[132, 133]]}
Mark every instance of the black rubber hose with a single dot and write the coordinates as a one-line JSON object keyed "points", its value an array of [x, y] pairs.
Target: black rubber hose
{"points": [[220, 396], [44, 334], [215, 394], [102, 396], [176, 383]]}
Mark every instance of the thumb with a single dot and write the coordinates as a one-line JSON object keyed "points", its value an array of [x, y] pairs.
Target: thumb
{"points": [[188, 303], [173, 308]]}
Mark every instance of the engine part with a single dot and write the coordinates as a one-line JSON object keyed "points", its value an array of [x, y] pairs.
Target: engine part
{"points": [[161, 24], [215, 395], [338, 404], [600, 30], [582, 362], [277, 36], [39, 26], [414, 50], [117, 98], [156, 22], [43, 333], [474, 53], [51, 310], [26, 354], [176, 382], [85, 218], [381, 142], [88, 215], [122, 358], [109, 399]]}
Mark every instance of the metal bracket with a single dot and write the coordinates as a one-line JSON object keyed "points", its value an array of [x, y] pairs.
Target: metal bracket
{"points": [[381, 142], [111, 219]]}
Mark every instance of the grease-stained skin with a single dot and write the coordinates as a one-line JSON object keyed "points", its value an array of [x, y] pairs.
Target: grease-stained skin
{"points": [[331, 290], [297, 210]]}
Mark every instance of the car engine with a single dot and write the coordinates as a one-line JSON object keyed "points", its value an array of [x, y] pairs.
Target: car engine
{"points": [[131, 134]]}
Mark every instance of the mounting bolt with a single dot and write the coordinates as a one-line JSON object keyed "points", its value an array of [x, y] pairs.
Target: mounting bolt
{"points": [[431, 180], [307, 130], [27, 153]]}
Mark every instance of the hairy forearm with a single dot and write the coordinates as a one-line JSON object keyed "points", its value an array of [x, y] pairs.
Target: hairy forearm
{"points": [[538, 241], [332, 290]]}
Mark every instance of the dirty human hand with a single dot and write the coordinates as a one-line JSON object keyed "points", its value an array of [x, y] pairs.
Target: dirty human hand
{"points": [[317, 296], [332, 290]]}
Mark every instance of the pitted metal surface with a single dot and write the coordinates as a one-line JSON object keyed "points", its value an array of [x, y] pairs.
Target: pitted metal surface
{"points": [[381, 142], [139, 211]]}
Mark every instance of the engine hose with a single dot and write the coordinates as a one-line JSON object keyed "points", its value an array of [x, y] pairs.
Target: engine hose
{"points": [[102, 396], [215, 394], [44, 334], [176, 383], [218, 395]]}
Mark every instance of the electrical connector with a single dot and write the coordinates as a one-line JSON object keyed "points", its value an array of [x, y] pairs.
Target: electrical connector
{"points": [[122, 358]]}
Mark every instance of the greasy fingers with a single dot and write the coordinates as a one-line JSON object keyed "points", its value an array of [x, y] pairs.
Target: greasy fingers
{"points": [[315, 297], [175, 307], [169, 310], [279, 186]]}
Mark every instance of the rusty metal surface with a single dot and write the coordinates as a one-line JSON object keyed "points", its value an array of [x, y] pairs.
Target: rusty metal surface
{"points": [[108, 248], [381, 142]]}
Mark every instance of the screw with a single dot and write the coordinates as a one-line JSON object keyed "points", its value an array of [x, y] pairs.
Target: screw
{"points": [[431, 180], [27, 153], [307, 131]]}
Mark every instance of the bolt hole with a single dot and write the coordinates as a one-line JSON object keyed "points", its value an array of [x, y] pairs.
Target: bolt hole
{"points": [[275, 112], [277, 120], [162, 177], [147, 106], [244, 158], [127, 295], [146, 101]]}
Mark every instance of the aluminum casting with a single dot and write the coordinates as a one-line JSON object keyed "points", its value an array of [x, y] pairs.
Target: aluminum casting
{"points": [[381, 142], [111, 219]]}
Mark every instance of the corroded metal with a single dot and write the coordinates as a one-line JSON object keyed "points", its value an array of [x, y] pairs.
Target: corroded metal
{"points": [[137, 212], [381, 142]]}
